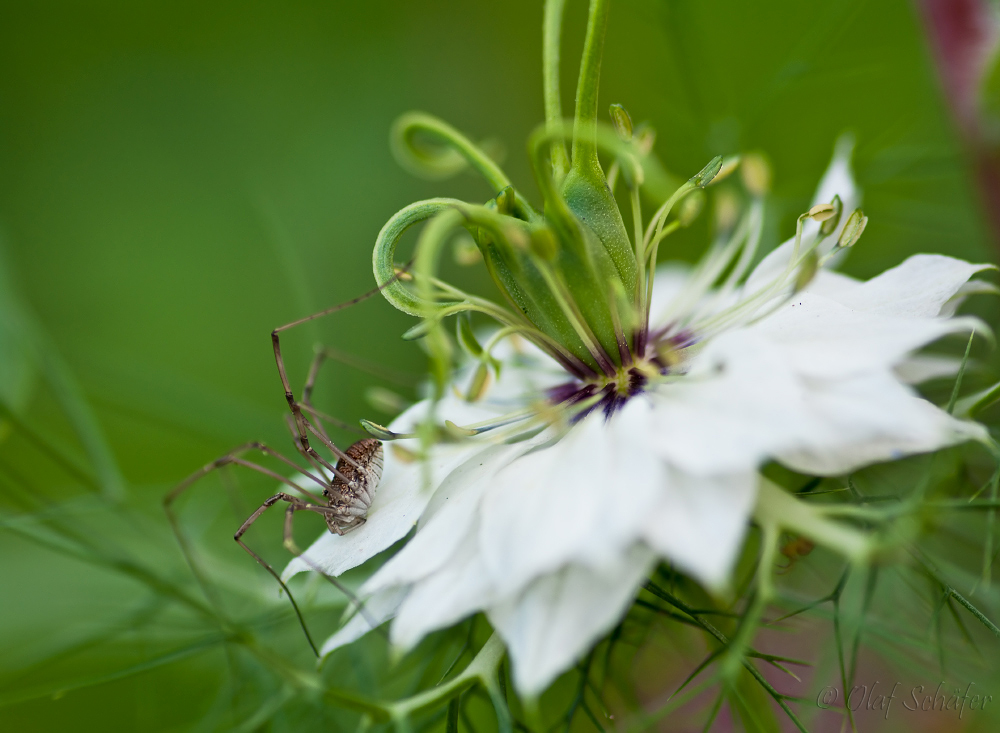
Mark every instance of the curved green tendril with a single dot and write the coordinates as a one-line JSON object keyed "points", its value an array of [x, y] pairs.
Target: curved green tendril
{"points": [[458, 151], [383, 256]]}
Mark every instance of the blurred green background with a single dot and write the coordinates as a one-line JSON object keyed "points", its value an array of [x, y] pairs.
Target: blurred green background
{"points": [[178, 178]]}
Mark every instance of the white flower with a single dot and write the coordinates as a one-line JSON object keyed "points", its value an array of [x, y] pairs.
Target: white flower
{"points": [[552, 535]]}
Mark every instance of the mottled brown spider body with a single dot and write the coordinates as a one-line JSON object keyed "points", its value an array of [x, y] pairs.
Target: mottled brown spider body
{"points": [[351, 498]]}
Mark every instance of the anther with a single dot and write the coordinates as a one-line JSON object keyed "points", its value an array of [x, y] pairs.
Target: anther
{"points": [[756, 174], [707, 174], [830, 224], [853, 229], [622, 122], [383, 433]]}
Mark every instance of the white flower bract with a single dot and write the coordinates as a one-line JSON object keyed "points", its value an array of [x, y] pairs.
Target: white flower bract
{"points": [[552, 536]]}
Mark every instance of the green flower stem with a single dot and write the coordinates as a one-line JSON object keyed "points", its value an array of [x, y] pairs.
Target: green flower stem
{"points": [[741, 641], [584, 123], [482, 669], [776, 507], [660, 217], [552, 36]]}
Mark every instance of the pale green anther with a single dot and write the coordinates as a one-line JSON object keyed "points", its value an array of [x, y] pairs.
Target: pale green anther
{"points": [[465, 251], [690, 207], [853, 229], [644, 138], [381, 432], [480, 381], [728, 166], [544, 243], [505, 201], [830, 224], [756, 174], [466, 337], [820, 212], [622, 122], [707, 174]]}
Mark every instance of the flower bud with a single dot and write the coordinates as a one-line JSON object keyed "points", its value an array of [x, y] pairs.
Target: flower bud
{"points": [[622, 122], [852, 229], [756, 174], [830, 224], [707, 174]]}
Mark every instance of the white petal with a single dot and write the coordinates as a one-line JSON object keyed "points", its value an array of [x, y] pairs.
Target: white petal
{"points": [[739, 403], [581, 500], [377, 610], [699, 523], [917, 288], [559, 616], [870, 419], [925, 367], [447, 520], [400, 498], [459, 588], [823, 339], [973, 287]]}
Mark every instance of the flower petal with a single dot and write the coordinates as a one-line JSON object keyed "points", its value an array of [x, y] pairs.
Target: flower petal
{"points": [[456, 590], [869, 419], [917, 288], [401, 496], [447, 520], [922, 368], [821, 338], [581, 500], [699, 523], [377, 610], [559, 616]]}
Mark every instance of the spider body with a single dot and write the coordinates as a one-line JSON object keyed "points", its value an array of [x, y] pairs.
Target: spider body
{"points": [[351, 498]]}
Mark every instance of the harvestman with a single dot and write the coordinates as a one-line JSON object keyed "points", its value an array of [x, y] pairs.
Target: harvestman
{"points": [[346, 495]]}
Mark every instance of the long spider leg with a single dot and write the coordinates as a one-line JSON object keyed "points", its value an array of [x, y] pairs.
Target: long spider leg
{"points": [[322, 354], [290, 424], [307, 390], [263, 563], [302, 424], [292, 547], [188, 551]]}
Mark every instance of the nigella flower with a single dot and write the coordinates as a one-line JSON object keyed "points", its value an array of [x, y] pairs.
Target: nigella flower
{"points": [[620, 414]]}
